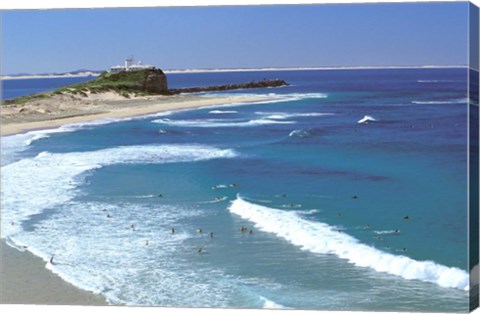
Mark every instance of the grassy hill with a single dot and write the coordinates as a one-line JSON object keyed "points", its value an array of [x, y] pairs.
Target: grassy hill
{"points": [[143, 82]]}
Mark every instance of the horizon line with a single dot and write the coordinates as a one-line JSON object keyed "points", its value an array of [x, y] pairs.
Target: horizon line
{"points": [[253, 69]]}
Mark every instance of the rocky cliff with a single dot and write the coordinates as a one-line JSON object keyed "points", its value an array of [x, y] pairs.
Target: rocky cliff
{"points": [[257, 84]]}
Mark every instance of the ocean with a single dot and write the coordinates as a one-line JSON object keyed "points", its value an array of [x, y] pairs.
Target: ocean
{"points": [[350, 187]]}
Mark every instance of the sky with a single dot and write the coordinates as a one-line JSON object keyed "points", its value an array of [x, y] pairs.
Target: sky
{"points": [[46, 41]]}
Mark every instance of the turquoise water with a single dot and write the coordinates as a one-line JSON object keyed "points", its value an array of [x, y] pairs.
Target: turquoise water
{"points": [[325, 196]]}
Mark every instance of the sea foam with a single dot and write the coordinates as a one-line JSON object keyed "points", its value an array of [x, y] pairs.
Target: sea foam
{"points": [[322, 238], [31, 185], [219, 123], [441, 102]]}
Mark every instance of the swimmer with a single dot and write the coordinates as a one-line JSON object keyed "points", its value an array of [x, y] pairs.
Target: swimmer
{"points": [[406, 217], [250, 231], [200, 251], [242, 229], [160, 195], [355, 197], [338, 215]]}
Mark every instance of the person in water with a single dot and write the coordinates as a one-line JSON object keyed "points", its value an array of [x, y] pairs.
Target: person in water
{"points": [[173, 230], [211, 234], [51, 260]]}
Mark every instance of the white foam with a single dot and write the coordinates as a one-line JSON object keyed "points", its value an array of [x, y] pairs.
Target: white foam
{"points": [[387, 231], [322, 238], [301, 133], [367, 119], [441, 102], [435, 81], [308, 212], [285, 115], [217, 123], [271, 97], [269, 304], [222, 111], [31, 185]]}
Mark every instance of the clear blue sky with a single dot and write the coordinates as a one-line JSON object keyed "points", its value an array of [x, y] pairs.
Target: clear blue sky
{"points": [[37, 41]]}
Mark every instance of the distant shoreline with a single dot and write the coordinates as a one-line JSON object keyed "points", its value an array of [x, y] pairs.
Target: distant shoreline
{"points": [[271, 69]]}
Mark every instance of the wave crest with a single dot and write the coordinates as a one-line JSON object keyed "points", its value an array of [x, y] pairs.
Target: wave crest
{"points": [[322, 238], [32, 185]]}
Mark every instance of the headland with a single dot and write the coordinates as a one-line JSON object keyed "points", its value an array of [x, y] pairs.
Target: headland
{"points": [[113, 95]]}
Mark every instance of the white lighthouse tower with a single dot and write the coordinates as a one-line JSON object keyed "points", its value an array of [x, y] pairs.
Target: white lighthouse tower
{"points": [[128, 63]]}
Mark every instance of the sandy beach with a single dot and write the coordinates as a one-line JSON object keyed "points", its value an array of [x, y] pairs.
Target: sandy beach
{"points": [[24, 278], [62, 109]]}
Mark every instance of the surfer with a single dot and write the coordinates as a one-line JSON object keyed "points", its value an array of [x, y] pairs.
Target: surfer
{"points": [[199, 230], [173, 230], [233, 185], [200, 251], [133, 227], [109, 216], [51, 260]]}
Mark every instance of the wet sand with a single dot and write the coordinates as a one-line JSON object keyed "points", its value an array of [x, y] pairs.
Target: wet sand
{"points": [[25, 280]]}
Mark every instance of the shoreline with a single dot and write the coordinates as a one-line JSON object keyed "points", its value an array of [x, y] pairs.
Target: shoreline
{"points": [[26, 280], [14, 123]]}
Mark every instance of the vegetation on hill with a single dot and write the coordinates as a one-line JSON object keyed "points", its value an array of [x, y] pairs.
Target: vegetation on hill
{"points": [[143, 82]]}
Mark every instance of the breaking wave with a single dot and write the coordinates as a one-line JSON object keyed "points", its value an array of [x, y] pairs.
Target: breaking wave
{"points": [[441, 102], [322, 238], [32, 185], [218, 123]]}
